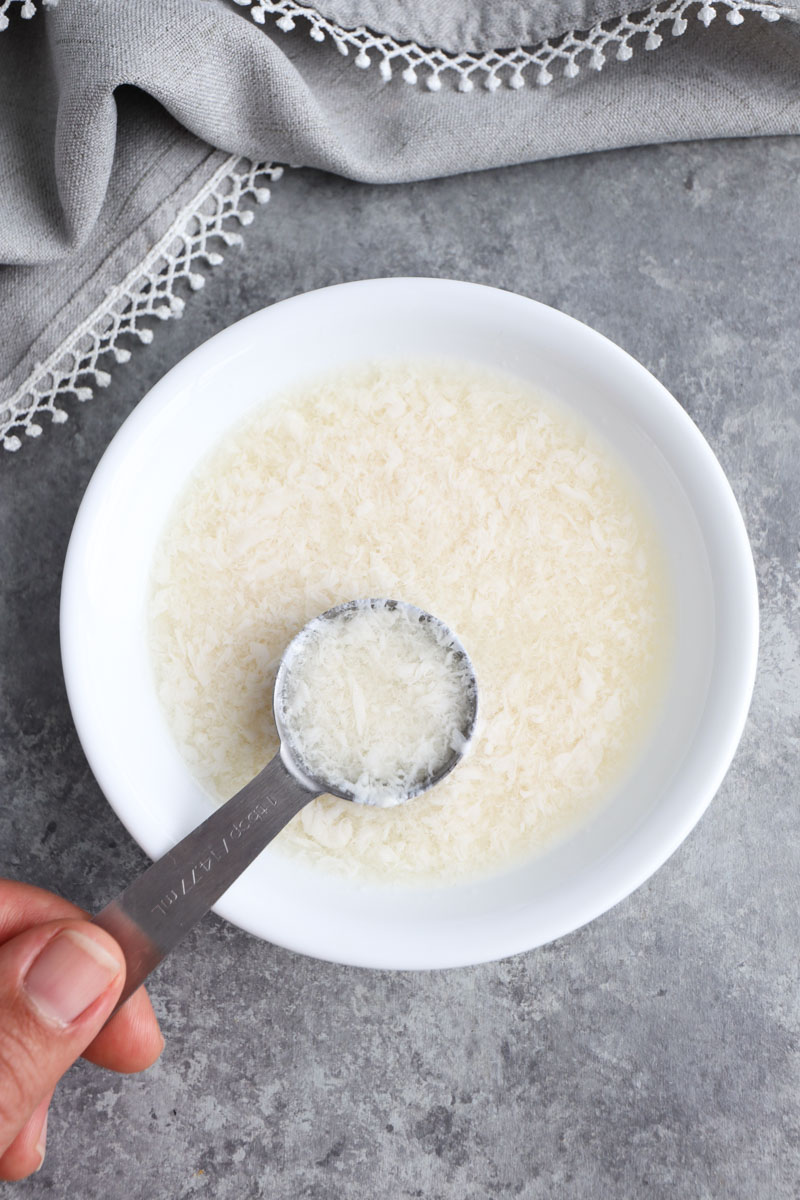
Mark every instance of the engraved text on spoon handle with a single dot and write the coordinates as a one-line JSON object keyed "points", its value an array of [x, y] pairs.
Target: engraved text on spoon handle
{"points": [[158, 908]]}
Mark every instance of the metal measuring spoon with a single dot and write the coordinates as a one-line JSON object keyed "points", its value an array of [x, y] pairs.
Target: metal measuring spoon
{"points": [[155, 911]]}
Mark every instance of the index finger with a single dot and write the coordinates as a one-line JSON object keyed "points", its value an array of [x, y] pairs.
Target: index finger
{"points": [[23, 905], [131, 1041]]}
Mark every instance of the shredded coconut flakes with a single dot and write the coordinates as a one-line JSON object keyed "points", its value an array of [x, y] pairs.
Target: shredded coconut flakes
{"points": [[376, 700], [471, 497]]}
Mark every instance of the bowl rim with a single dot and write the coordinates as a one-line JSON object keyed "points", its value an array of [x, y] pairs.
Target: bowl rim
{"points": [[644, 854]]}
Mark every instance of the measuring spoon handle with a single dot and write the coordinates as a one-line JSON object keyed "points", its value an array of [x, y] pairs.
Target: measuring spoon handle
{"points": [[157, 909]]}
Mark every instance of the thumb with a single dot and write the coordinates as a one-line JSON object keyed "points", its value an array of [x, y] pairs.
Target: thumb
{"points": [[58, 984]]}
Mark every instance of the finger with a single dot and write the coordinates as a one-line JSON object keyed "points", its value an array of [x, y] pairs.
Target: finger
{"points": [[131, 1041], [25, 1155], [22, 905], [58, 984]]}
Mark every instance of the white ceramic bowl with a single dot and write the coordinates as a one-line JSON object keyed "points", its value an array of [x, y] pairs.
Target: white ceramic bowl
{"points": [[106, 662]]}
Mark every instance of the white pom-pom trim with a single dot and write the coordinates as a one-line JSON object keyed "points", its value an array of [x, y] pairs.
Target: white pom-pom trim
{"points": [[148, 292], [615, 39]]}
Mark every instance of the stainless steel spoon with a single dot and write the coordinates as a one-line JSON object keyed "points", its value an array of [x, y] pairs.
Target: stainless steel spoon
{"points": [[154, 912]]}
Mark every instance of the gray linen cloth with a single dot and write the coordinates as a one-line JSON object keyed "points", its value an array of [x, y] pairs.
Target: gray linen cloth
{"points": [[114, 113]]}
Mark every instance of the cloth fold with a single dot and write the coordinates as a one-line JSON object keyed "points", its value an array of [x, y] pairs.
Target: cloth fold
{"points": [[113, 116]]}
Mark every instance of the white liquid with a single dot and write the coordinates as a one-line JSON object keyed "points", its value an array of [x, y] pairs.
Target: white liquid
{"points": [[470, 496]]}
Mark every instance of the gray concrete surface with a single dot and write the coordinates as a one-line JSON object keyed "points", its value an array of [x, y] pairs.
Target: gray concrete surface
{"points": [[651, 1054]]}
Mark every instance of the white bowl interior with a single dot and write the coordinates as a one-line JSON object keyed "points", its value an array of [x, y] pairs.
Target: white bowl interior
{"points": [[106, 658]]}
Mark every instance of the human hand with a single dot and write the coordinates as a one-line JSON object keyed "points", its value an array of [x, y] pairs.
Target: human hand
{"points": [[60, 977]]}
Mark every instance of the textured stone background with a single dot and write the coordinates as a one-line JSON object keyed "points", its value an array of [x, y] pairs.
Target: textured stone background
{"points": [[652, 1054]]}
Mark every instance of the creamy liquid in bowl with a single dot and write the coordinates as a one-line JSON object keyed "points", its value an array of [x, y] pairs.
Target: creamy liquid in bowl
{"points": [[470, 496]]}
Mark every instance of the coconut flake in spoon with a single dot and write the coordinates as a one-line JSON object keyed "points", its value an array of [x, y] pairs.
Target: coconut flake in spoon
{"points": [[377, 700]]}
